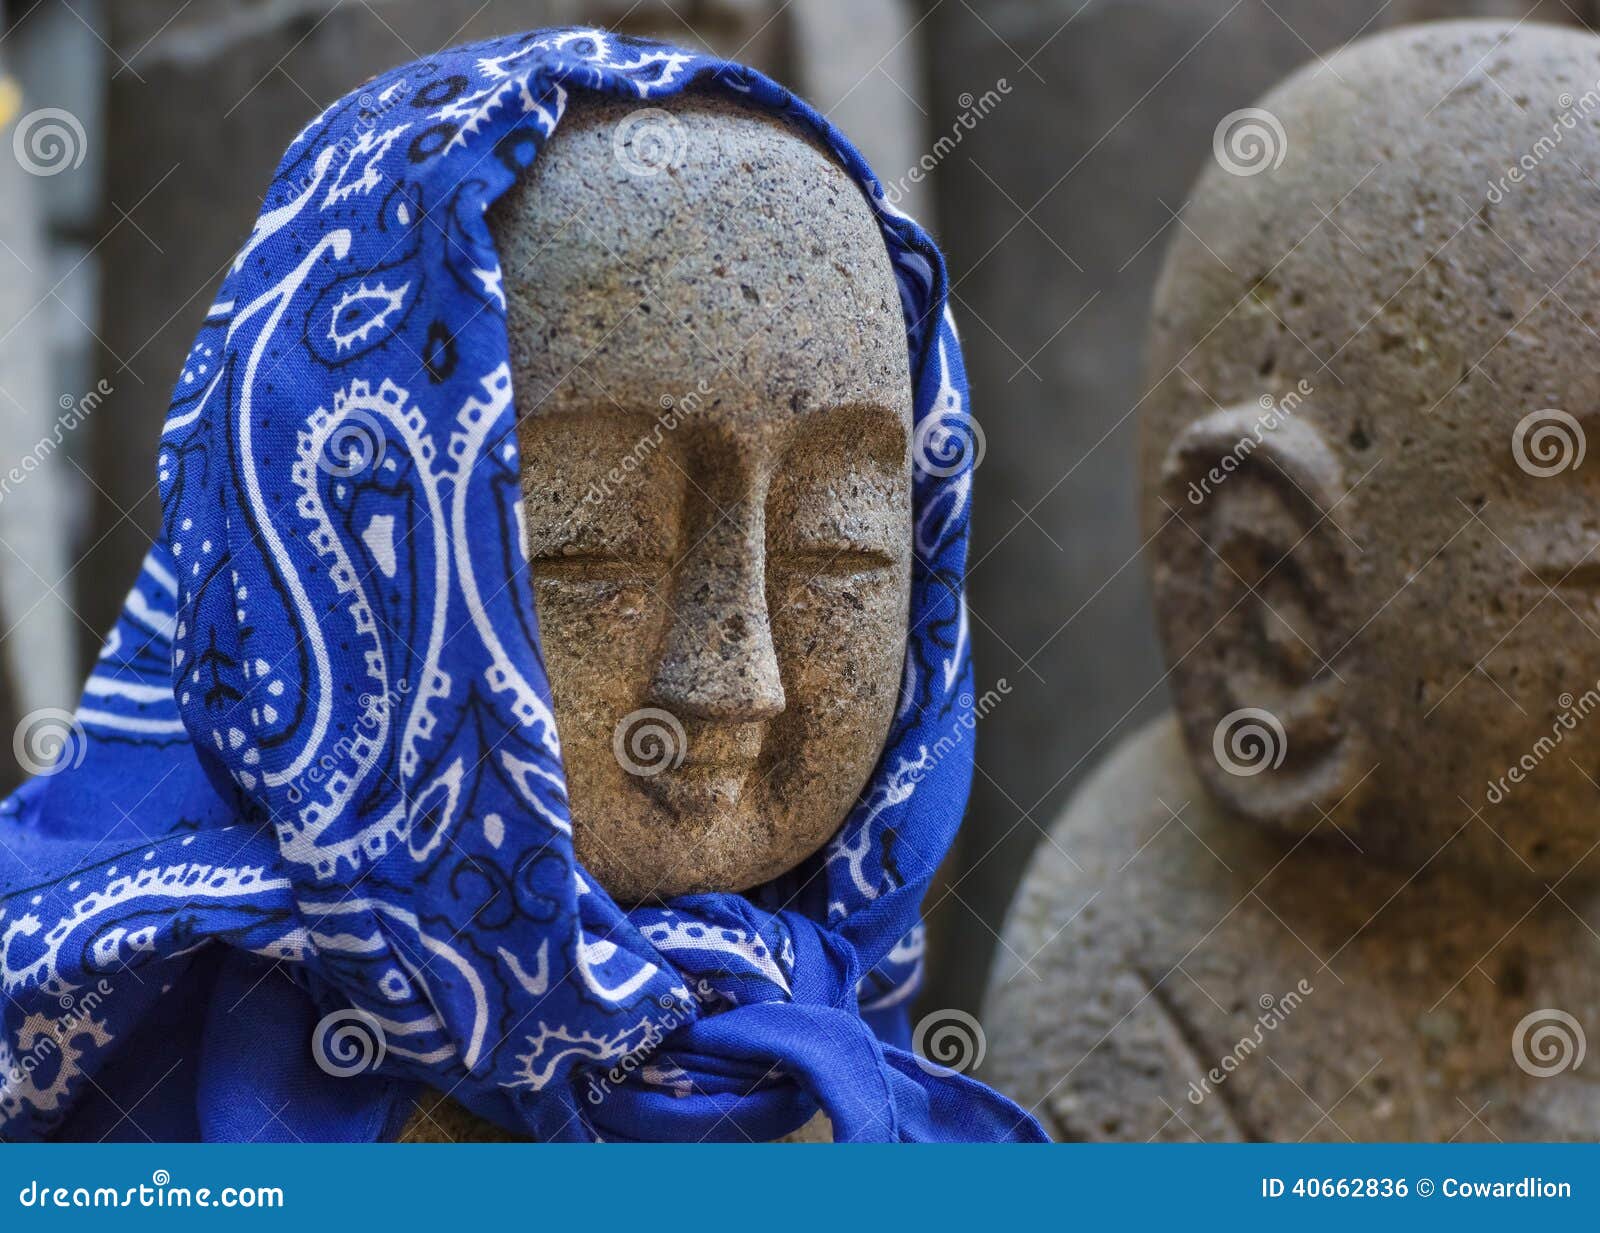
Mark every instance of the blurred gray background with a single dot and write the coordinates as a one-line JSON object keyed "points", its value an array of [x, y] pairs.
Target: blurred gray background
{"points": [[1049, 145]]}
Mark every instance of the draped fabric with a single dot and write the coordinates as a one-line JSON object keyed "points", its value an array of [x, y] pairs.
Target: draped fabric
{"points": [[306, 844]]}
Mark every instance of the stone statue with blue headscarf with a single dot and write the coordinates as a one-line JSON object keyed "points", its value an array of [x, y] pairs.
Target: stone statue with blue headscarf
{"points": [[551, 687]]}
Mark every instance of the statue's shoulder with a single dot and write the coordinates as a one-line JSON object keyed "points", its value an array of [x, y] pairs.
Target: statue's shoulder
{"points": [[1137, 867], [1142, 789]]}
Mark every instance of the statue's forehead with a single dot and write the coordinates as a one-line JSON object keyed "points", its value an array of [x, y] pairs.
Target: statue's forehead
{"points": [[749, 271], [732, 361], [644, 194]]}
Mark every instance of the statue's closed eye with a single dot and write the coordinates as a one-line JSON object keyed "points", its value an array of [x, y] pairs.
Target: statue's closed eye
{"points": [[599, 567], [1582, 574], [812, 560], [832, 560]]}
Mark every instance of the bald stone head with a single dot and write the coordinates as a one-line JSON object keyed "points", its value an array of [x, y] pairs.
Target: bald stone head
{"points": [[714, 404], [1376, 532]]}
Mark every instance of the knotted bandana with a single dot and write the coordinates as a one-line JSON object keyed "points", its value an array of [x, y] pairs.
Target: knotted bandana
{"points": [[307, 845]]}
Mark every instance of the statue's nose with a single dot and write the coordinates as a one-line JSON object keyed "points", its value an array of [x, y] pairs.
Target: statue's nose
{"points": [[718, 661]]}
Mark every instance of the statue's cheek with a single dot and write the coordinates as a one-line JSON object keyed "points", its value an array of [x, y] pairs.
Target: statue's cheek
{"points": [[841, 647]]}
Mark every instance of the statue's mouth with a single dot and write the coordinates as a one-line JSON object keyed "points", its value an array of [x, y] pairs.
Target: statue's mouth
{"points": [[700, 793], [719, 763]]}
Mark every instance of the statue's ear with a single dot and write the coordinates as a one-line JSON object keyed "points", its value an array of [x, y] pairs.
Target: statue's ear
{"points": [[1251, 579]]}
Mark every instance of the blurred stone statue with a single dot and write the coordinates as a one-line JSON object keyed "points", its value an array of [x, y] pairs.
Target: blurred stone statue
{"points": [[1344, 890]]}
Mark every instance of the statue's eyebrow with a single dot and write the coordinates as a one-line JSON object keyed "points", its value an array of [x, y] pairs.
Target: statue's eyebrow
{"points": [[867, 426]]}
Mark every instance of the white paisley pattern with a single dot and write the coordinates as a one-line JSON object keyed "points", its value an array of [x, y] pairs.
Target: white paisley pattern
{"points": [[324, 734]]}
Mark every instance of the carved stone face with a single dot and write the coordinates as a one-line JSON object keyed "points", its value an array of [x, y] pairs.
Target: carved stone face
{"points": [[1387, 565], [710, 368]]}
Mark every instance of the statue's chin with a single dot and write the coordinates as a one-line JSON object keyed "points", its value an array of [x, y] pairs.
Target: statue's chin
{"points": [[703, 830], [697, 796]]}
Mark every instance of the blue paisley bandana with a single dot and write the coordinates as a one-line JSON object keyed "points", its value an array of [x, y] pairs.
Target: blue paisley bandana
{"points": [[314, 786]]}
